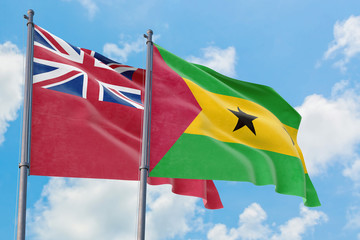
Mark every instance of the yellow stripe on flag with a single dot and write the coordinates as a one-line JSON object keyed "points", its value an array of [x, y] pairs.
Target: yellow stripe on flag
{"points": [[293, 133], [217, 121]]}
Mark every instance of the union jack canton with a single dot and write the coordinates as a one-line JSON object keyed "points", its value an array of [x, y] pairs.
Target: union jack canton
{"points": [[83, 73]]}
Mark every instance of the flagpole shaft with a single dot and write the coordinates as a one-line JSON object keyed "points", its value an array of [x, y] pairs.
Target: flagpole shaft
{"points": [[25, 145], [145, 153]]}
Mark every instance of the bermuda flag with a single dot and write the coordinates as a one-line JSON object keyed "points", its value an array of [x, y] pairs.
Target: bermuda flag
{"points": [[87, 115]]}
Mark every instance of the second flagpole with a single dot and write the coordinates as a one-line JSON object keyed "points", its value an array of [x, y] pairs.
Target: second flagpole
{"points": [[26, 130], [145, 152]]}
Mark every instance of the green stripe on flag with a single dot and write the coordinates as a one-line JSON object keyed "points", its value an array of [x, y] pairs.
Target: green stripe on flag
{"points": [[220, 84], [311, 199], [237, 162]]}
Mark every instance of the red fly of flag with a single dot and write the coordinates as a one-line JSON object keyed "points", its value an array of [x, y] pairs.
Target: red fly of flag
{"points": [[87, 115]]}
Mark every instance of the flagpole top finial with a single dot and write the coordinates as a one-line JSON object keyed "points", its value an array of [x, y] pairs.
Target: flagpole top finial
{"points": [[29, 17], [149, 35], [31, 12]]}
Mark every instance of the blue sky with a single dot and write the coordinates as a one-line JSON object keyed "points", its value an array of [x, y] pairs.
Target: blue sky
{"points": [[307, 51]]}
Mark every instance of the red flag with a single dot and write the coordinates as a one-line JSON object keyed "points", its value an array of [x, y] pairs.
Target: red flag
{"points": [[87, 115]]}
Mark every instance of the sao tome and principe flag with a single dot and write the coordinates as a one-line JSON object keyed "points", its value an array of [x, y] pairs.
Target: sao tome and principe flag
{"points": [[236, 130], [87, 115]]}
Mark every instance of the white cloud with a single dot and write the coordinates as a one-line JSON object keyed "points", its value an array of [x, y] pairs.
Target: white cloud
{"points": [[252, 226], [346, 41], [298, 226], [220, 232], [251, 223], [330, 128], [353, 171], [169, 215], [121, 54], [353, 218], [89, 5], [11, 81], [105, 209], [221, 60], [85, 209]]}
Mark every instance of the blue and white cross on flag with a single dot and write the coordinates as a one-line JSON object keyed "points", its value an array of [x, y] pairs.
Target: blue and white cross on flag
{"points": [[83, 73]]}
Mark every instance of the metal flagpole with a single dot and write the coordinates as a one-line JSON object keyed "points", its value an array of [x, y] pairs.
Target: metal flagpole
{"points": [[145, 153], [25, 146]]}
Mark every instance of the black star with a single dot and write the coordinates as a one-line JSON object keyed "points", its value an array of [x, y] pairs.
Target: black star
{"points": [[244, 120]]}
